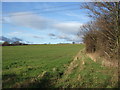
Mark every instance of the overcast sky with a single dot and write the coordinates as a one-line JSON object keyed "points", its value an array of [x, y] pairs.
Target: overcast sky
{"points": [[43, 22]]}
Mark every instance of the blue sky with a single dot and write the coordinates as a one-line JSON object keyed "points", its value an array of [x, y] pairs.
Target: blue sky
{"points": [[43, 22]]}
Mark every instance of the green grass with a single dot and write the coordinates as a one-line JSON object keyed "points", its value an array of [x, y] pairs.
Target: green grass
{"points": [[89, 75], [22, 63], [45, 66]]}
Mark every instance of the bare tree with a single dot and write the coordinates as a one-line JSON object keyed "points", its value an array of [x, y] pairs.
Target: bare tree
{"points": [[106, 23]]}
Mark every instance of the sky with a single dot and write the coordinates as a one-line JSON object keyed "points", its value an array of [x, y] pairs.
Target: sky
{"points": [[43, 22]]}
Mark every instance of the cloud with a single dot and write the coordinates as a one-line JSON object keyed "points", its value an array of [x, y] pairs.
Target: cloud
{"points": [[39, 37], [15, 33], [22, 34], [81, 17], [73, 15], [65, 30], [16, 39], [66, 37], [31, 20], [2, 38], [70, 38], [28, 19], [68, 27], [51, 34]]}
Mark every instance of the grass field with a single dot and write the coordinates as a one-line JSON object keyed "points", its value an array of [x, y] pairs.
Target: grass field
{"points": [[53, 66], [22, 63], [89, 74]]}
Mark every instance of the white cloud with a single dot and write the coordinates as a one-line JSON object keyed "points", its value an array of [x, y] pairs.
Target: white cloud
{"points": [[28, 19], [15, 33], [67, 30], [21, 34], [68, 27], [31, 20]]}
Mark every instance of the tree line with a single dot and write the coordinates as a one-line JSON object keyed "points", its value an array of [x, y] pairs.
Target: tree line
{"points": [[102, 34], [16, 43]]}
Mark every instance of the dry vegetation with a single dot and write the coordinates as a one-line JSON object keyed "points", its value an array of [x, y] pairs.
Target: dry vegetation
{"points": [[102, 35]]}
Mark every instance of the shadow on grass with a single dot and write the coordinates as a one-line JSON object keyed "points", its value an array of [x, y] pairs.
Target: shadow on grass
{"points": [[45, 80], [8, 79]]}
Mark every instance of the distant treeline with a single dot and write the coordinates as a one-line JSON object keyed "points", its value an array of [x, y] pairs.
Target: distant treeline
{"points": [[102, 35], [17, 43]]}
